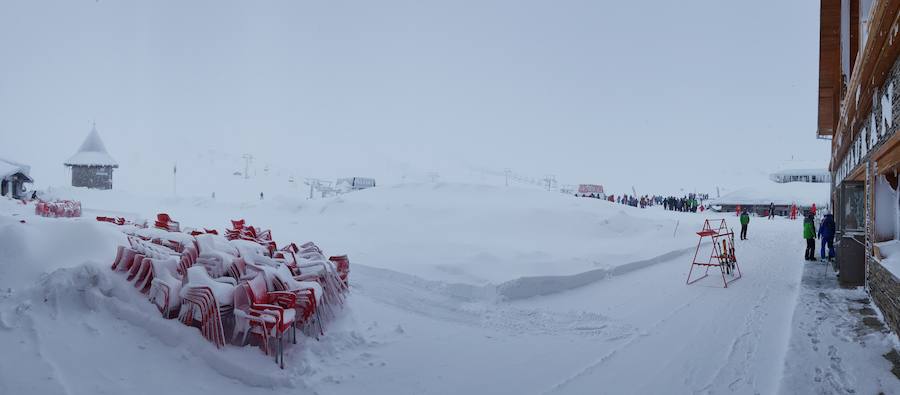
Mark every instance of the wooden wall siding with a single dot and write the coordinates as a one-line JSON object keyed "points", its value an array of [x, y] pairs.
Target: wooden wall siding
{"points": [[854, 34], [869, 73]]}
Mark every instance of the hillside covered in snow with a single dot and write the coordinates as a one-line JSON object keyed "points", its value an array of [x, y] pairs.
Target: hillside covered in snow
{"points": [[502, 290]]}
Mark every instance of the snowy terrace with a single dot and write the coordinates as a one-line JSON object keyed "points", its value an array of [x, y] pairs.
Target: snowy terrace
{"points": [[544, 293]]}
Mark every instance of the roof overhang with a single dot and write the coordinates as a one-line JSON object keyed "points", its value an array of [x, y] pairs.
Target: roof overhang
{"points": [[829, 67]]}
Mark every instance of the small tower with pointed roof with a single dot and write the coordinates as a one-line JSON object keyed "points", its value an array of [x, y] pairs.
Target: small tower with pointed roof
{"points": [[92, 166]]}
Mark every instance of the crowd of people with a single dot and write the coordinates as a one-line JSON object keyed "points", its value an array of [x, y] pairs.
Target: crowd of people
{"points": [[691, 202], [634, 201]]}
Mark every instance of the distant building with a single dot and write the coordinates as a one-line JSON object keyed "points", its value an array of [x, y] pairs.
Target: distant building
{"points": [[92, 167], [759, 198], [355, 183], [591, 190], [13, 177], [801, 175], [792, 187]]}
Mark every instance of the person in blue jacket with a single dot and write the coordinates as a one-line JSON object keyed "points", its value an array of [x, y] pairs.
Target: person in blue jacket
{"points": [[826, 234]]}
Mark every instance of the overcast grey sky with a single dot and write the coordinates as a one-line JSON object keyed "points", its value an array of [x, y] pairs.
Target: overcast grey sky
{"points": [[622, 93]]}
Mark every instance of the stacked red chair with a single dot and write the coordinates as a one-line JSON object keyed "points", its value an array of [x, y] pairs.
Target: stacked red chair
{"points": [[204, 232], [237, 286], [164, 222], [241, 231], [343, 267], [199, 307], [112, 220], [58, 209], [268, 314]]}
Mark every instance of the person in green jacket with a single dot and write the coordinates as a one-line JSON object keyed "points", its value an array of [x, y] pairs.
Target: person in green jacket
{"points": [[809, 233], [745, 219]]}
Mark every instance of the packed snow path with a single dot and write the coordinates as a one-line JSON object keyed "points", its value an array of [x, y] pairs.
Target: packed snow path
{"points": [[838, 344], [642, 332]]}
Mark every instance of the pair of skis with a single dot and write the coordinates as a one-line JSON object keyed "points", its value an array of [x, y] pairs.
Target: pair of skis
{"points": [[726, 255]]}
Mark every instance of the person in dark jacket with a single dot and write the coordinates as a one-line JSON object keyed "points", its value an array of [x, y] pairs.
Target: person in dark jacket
{"points": [[809, 233], [745, 219], [826, 235], [772, 210]]}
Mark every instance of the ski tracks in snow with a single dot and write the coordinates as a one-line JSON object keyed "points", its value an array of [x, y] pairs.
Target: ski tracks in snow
{"points": [[632, 339], [719, 340], [732, 374]]}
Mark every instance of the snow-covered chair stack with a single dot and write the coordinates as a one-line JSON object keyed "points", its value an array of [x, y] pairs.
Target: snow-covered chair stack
{"points": [[235, 286], [57, 209], [196, 232], [311, 265], [164, 222], [142, 261], [167, 282], [267, 314], [342, 263], [241, 231], [216, 254], [112, 220], [207, 300]]}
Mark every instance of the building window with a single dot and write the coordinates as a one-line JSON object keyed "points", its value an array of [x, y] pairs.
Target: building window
{"points": [[852, 207]]}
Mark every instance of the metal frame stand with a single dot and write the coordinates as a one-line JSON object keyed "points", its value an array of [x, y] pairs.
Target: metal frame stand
{"points": [[722, 256]]}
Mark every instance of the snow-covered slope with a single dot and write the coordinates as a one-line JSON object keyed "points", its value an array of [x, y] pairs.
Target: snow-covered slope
{"points": [[466, 233], [456, 288], [61, 303]]}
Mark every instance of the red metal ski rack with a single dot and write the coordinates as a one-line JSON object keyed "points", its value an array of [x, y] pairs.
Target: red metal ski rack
{"points": [[722, 255]]}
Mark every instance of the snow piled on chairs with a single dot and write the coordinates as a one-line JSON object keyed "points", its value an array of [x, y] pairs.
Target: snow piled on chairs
{"points": [[237, 289], [58, 209]]}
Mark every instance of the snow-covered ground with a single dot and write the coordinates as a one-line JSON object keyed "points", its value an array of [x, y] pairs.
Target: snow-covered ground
{"points": [[456, 288]]}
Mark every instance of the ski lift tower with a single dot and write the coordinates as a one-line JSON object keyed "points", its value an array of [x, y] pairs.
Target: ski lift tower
{"points": [[550, 182], [247, 160]]}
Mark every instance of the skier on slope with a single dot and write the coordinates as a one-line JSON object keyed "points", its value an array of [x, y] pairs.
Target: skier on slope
{"points": [[826, 234], [745, 219], [772, 210], [809, 233]]}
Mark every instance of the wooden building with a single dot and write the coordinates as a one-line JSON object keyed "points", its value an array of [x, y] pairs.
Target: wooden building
{"points": [[13, 177], [92, 166], [859, 110]]}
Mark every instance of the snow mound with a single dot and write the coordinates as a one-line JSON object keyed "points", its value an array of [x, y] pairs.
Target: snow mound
{"points": [[38, 246], [78, 311], [477, 234], [450, 232]]}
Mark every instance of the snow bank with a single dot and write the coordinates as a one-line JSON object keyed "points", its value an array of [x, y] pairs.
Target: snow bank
{"points": [[38, 246], [83, 310], [477, 234], [527, 287]]}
